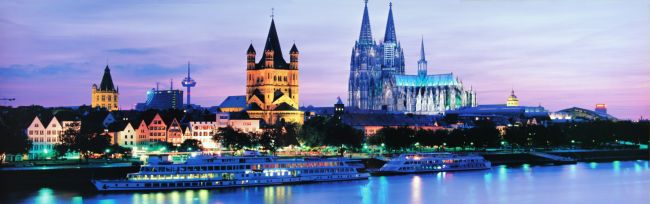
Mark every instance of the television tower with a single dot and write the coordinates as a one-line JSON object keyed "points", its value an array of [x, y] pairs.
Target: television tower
{"points": [[189, 83]]}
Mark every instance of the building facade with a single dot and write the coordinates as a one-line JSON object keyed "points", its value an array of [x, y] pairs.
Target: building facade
{"points": [[162, 100], [44, 137], [272, 84], [203, 132], [378, 80], [238, 123], [175, 133], [105, 95]]}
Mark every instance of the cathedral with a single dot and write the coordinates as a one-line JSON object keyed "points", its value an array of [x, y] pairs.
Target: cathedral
{"points": [[378, 80], [272, 83], [105, 96]]}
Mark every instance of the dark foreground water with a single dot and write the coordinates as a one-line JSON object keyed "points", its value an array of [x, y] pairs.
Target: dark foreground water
{"points": [[615, 182]]}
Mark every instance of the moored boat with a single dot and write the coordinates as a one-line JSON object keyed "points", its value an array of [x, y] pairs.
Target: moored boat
{"points": [[432, 162], [208, 171]]}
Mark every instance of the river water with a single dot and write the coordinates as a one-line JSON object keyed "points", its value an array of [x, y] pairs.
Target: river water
{"points": [[616, 182]]}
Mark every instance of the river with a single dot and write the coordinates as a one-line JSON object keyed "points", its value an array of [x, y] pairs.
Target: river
{"points": [[625, 182]]}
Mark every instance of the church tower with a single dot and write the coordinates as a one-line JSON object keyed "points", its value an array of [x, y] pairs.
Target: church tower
{"points": [[390, 50], [422, 63], [106, 95], [272, 84], [364, 67]]}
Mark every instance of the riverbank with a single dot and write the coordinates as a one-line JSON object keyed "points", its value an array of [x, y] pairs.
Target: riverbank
{"points": [[62, 173], [518, 158], [65, 173]]}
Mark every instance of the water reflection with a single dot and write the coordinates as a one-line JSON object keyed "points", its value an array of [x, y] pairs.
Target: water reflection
{"points": [[416, 189], [277, 194], [590, 182], [45, 195]]}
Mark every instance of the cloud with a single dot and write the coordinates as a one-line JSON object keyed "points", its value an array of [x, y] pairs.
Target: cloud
{"points": [[132, 51]]}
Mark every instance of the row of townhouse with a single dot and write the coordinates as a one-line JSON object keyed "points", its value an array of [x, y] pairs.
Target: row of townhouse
{"points": [[45, 137], [44, 133], [150, 131]]}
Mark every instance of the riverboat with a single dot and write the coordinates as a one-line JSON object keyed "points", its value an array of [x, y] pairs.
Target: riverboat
{"points": [[432, 162], [210, 171]]}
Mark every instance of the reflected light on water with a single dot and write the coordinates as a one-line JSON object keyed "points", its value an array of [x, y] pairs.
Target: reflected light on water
{"points": [[189, 196], [204, 195], [277, 194], [174, 197], [416, 189], [441, 176], [503, 173], [616, 166], [383, 189], [77, 200], [510, 184], [45, 195]]}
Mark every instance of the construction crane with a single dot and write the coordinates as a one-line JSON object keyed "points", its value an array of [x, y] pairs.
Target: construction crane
{"points": [[7, 99]]}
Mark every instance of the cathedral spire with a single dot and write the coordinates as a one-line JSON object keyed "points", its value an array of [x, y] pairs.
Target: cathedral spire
{"points": [[422, 56], [422, 63], [365, 36], [273, 44], [390, 27]]}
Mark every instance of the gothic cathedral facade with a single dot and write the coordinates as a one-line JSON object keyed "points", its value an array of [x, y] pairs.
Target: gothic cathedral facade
{"points": [[378, 80], [272, 84]]}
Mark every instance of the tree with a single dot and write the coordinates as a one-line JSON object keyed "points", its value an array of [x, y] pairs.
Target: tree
{"points": [[97, 143], [191, 145], [312, 133], [68, 140], [233, 139], [163, 146], [397, 138]]}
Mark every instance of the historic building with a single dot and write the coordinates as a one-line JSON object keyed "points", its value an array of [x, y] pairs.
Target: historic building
{"points": [[106, 95], [378, 80], [272, 83], [512, 99]]}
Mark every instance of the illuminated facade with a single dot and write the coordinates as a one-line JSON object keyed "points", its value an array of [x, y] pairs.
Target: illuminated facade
{"points": [[512, 99], [378, 80], [203, 132], [272, 84], [162, 100], [106, 95], [44, 137], [175, 133]]}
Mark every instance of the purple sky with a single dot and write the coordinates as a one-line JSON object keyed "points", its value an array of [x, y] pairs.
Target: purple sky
{"points": [[557, 53]]}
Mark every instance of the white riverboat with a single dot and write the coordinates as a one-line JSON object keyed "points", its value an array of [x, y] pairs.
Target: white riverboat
{"points": [[208, 171], [432, 162]]}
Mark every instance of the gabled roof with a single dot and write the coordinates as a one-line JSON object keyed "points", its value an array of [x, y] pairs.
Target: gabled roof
{"points": [[107, 81], [254, 106], [258, 94], [284, 106], [66, 115], [118, 126], [277, 94], [235, 102]]}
